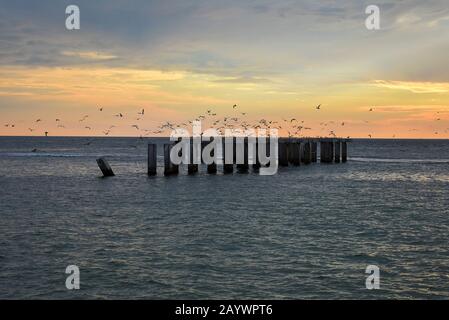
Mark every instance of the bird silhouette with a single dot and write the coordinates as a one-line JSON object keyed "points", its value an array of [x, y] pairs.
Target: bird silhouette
{"points": [[318, 107]]}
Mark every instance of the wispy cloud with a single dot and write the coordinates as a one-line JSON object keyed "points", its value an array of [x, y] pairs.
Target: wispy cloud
{"points": [[89, 55], [415, 87]]}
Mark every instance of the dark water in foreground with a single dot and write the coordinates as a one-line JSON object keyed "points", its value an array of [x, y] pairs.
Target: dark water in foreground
{"points": [[306, 232]]}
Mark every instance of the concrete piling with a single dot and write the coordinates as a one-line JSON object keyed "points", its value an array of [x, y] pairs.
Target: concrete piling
{"points": [[191, 167], [306, 152], [152, 159], [344, 151], [212, 167], [283, 153], [243, 145], [169, 167], [314, 152], [105, 167], [337, 151], [228, 156], [256, 163], [294, 153], [327, 151]]}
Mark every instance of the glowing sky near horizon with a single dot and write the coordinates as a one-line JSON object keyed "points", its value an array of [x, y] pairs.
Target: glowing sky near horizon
{"points": [[176, 59]]}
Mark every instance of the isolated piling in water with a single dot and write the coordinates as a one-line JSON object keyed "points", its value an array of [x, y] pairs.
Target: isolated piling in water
{"points": [[344, 151], [152, 159], [314, 147], [294, 153], [169, 167], [337, 151], [283, 154], [105, 167], [306, 152]]}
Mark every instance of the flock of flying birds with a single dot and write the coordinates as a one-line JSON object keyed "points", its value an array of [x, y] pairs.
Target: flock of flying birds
{"points": [[293, 127]]}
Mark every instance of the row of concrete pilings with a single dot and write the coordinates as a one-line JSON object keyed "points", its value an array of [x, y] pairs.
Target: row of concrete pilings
{"points": [[290, 152]]}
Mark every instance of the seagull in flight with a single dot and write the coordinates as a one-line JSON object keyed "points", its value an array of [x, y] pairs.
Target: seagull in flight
{"points": [[318, 107]]}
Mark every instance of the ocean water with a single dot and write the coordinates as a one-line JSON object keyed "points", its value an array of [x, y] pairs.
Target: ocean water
{"points": [[305, 233]]}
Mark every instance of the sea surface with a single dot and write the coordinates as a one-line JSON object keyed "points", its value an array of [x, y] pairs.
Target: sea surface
{"points": [[304, 233]]}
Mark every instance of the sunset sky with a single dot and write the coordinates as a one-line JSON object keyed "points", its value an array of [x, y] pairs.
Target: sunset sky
{"points": [[177, 59]]}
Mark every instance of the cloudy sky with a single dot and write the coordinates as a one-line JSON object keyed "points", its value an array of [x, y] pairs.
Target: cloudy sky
{"points": [[274, 59]]}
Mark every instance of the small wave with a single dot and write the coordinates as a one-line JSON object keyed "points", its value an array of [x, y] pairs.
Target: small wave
{"points": [[66, 155], [37, 154], [424, 161]]}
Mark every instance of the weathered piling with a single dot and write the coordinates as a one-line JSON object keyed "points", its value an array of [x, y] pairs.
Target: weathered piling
{"points": [[242, 144], [283, 153], [169, 167], [105, 167], [294, 153], [192, 168], [314, 152], [306, 155], [327, 151], [337, 148], [152, 159], [344, 151]]}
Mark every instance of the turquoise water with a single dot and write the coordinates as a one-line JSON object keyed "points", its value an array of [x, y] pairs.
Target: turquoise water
{"points": [[306, 232]]}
